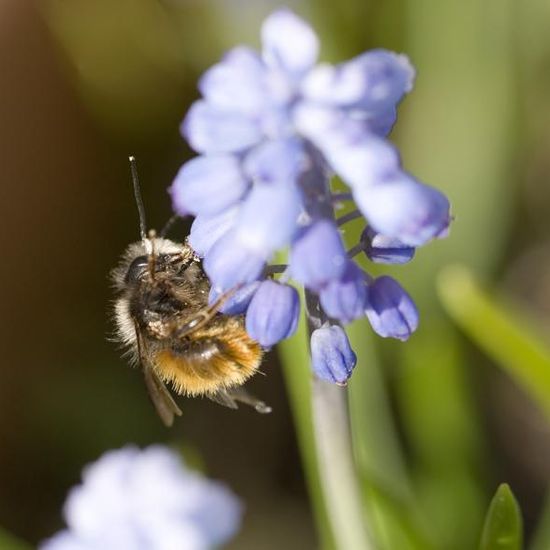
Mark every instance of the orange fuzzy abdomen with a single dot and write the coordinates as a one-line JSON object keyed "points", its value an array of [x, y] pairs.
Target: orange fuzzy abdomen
{"points": [[229, 364]]}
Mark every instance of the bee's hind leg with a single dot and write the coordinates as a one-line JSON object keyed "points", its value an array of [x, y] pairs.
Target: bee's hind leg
{"points": [[229, 398]]}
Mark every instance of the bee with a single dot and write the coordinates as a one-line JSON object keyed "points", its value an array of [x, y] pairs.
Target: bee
{"points": [[164, 320]]}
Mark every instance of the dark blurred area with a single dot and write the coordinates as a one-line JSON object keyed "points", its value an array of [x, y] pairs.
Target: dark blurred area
{"points": [[85, 83]]}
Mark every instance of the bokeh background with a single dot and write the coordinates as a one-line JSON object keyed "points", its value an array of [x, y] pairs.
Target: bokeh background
{"points": [[85, 83]]}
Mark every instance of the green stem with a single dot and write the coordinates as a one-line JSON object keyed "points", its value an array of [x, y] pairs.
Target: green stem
{"points": [[339, 478]]}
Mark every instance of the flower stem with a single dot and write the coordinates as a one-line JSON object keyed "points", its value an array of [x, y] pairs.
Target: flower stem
{"points": [[339, 480], [350, 216]]}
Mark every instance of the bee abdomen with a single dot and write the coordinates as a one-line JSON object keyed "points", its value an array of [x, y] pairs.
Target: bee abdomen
{"points": [[208, 363]]}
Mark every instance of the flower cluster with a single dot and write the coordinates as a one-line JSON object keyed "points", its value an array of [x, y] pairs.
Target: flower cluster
{"points": [[271, 130], [144, 500]]}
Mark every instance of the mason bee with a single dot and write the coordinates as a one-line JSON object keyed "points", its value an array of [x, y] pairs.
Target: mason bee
{"points": [[164, 320]]}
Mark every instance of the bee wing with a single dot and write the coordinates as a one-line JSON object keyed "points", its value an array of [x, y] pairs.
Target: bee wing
{"points": [[164, 403], [229, 398], [162, 400]]}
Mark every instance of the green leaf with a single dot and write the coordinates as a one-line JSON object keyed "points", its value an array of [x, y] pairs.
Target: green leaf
{"points": [[503, 525], [502, 332]]}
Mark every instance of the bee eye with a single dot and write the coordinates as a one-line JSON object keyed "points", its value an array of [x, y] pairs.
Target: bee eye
{"points": [[136, 269]]}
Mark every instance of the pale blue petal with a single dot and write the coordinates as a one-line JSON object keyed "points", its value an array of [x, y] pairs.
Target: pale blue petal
{"points": [[238, 302], [388, 77], [317, 255], [374, 81], [385, 250], [206, 230], [365, 162], [344, 298], [230, 263], [210, 129], [289, 43], [208, 185], [268, 217], [390, 310], [381, 123], [273, 313], [237, 83], [352, 149], [335, 85], [276, 161], [404, 209], [332, 358]]}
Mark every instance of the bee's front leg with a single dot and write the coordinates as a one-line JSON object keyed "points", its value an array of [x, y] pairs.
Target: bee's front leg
{"points": [[201, 317]]}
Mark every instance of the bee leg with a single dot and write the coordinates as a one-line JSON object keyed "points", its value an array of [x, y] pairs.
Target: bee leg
{"points": [[240, 394], [222, 398], [202, 317]]}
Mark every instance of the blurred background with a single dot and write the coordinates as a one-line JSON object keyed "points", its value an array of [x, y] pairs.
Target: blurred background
{"points": [[85, 83]]}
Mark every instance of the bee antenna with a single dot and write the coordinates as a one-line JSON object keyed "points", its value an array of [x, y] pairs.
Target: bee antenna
{"points": [[139, 199]]}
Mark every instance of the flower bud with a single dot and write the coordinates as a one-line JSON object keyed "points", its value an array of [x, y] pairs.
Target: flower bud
{"points": [[390, 310], [273, 313], [318, 255], [344, 298], [385, 250], [331, 355]]}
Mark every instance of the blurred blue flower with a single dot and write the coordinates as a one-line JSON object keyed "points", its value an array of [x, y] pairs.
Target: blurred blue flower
{"points": [[332, 358], [272, 128], [145, 500]]}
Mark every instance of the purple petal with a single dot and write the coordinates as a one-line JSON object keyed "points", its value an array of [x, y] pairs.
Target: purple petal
{"points": [[388, 77], [365, 162], [208, 185], [334, 85], [317, 255], [237, 83], [273, 313], [349, 145], [404, 209], [385, 250], [344, 298], [230, 263], [374, 81], [331, 355], [381, 123], [209, 129], [289, 43], [268, 217], [390, 310], [238, 302], [276, 161], [206, 230]]}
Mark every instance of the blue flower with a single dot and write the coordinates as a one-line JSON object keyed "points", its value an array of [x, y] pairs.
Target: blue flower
{"points": [[381, 249], [273, 313], [344, 298], [138, 500], [271, 129], [317, 255], [390, 310], [331, 355]]}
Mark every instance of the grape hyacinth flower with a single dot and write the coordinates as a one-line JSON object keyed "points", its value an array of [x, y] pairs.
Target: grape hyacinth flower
{"points": [[271, 130], [147, 499]]}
